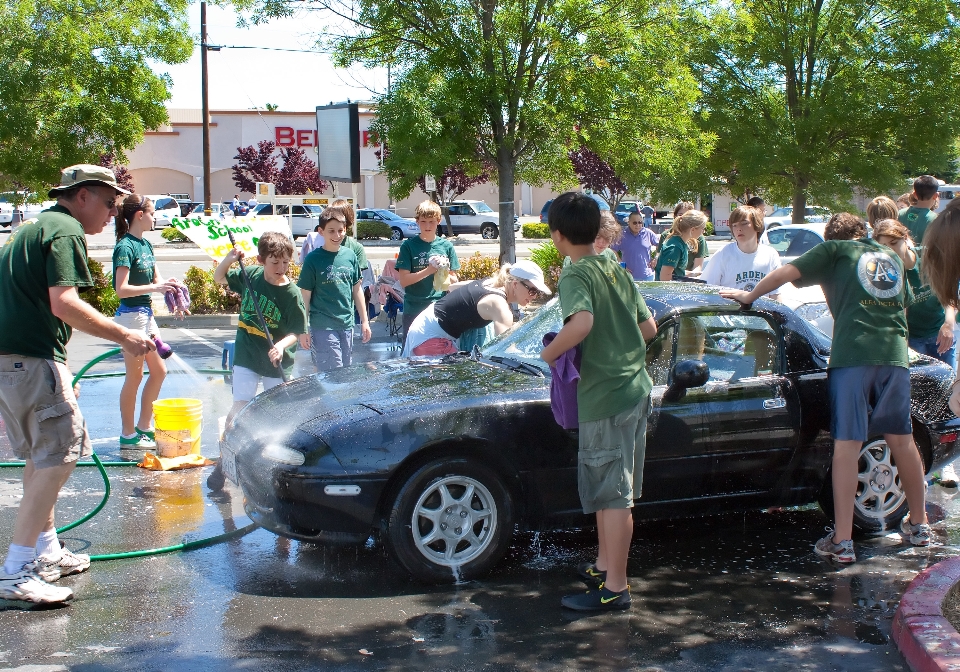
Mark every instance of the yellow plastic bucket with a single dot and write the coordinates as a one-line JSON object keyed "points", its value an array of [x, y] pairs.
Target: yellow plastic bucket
{"points": [[178, 423]]}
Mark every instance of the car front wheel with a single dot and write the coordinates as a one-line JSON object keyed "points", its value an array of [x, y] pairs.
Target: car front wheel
{"points": [[489, 231], [452, 520], [880, 502], [396, 234]]}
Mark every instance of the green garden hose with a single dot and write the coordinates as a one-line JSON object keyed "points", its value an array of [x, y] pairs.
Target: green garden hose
{"points": [[185, 546]]}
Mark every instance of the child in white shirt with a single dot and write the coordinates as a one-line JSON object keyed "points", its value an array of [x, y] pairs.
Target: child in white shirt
{"points": [[743, 265]]}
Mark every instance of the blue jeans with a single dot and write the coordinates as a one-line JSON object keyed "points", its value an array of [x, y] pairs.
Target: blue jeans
{"points": [[928, 346], [331, 349]]}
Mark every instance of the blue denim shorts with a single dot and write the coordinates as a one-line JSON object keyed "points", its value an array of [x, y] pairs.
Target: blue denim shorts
{"points": [[867, 401]]}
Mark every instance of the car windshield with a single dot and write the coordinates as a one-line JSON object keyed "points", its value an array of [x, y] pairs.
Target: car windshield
{"points": [[313, 209], [387, 215], [525, 340], [482, 207], [782, 212]]}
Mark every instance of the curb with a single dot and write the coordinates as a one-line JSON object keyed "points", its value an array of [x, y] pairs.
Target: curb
{"points": [[925, 638], [197, 321]]}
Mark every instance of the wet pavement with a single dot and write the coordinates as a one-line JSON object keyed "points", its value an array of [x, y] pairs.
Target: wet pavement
{"points": [[722, 592]]}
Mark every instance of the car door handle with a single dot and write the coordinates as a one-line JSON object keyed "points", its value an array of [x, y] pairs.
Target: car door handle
{"points": [[774, 403]]}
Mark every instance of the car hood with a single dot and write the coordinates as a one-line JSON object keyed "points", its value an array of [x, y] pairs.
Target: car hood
{"points": [[320, 403]]}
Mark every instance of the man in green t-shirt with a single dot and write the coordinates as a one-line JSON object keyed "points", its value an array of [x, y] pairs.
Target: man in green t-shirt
{"points": [[605, 315], [930, 325], [868, 373], [420, 258], [41, 270]]}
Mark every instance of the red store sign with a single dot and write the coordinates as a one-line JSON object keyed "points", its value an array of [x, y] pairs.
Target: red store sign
{"points": [[289, 137]]}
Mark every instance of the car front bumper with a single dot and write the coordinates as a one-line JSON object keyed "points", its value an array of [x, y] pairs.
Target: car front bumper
{"points": [[321, 510]]}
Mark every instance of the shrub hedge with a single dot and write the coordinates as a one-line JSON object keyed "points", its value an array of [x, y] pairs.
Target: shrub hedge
{"points": [[535, 230]]}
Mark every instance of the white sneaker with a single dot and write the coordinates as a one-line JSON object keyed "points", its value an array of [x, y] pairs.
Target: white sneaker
{"points": [[50, 569], [27, 586], [918, 535]]}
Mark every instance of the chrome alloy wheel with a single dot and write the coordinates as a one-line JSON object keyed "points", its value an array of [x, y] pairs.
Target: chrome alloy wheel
{"points": [[454, 520]]}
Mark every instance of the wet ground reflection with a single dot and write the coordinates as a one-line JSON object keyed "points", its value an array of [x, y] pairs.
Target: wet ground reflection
{"points": [[737, 591]]}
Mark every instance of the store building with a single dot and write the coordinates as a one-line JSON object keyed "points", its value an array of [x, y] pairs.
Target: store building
{"points": [[170, 158]]}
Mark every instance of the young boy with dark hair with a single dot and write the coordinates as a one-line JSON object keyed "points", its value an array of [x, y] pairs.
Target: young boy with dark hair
{"points": [[916, 217], [603, 313], [868, 372], [930, 325]]}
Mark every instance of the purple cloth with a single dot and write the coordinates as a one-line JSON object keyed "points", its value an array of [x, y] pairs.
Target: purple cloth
{"points": [[563, 385], [635, 251], [177, 299]]}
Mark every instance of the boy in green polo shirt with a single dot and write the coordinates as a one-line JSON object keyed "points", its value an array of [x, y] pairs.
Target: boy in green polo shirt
{"points": [[929, 325], [282, 308], [331, 287], [419, 259], [868, 373], [603, 313]]}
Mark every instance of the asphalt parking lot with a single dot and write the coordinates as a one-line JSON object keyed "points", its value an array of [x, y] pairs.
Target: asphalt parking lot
{"points": [[720, 592]]}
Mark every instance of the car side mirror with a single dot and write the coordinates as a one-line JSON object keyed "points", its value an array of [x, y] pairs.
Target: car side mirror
{"points": [[684, 375]]}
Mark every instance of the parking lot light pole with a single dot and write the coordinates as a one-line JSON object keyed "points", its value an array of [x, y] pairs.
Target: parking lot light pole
{"points": [[207, 210]]}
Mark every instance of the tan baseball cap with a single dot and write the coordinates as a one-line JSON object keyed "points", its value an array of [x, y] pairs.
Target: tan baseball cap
{"points": [[83, 174]]}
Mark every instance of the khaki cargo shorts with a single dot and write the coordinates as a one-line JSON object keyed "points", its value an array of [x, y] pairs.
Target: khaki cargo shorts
{"points": [[610, 459], [41, 413]]}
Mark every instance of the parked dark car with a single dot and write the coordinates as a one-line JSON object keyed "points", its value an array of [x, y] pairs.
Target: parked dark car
{"points": [[546, 207], [441, 460], [186, 207]]}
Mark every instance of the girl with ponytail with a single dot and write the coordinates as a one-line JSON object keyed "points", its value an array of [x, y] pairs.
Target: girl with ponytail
{"points": [[135, 277]]}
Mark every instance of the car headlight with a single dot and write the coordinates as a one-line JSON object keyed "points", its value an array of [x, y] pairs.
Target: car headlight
{"points": [[813, 311], [282, 454]]}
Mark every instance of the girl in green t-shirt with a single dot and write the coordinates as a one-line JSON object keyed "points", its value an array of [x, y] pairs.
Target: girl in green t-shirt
{"points": [[674, 252], [135, 277]]}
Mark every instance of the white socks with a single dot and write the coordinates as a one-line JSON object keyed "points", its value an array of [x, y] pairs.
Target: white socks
{"points": [[17, 557], [48, 544]]}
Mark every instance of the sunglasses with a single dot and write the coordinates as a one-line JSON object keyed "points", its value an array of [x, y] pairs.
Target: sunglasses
{"points": [[533, 291]]}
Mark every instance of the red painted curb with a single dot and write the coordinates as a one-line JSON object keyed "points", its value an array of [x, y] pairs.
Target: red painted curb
{"points": [[925, 638]]}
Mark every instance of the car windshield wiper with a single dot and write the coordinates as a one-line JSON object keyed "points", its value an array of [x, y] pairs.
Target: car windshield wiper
{"points": [[517, 365]]}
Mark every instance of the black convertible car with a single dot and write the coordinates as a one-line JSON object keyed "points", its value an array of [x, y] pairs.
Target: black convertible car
{"points": [[442, 460]]}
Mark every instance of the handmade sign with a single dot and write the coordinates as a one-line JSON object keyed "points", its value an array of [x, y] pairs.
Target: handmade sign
{"points": [[210, 233]]}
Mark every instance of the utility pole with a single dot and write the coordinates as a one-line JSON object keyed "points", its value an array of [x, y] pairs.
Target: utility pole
{"points": [[383, 148], [207, 210]]}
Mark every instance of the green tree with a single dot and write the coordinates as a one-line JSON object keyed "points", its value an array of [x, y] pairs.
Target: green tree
{"points": [[77, 83], [511, 81], [810, 99]]}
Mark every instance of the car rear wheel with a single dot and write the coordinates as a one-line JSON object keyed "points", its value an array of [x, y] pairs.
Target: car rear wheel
{"points": [[880, 502], [489, 231], [451, 520], [396, 233]]}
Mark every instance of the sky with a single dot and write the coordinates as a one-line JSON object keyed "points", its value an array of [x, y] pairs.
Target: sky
{"points": [[246, 78]]}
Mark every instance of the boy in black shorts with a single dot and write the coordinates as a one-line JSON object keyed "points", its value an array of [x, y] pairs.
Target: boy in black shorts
{"points": [[866, 289]]}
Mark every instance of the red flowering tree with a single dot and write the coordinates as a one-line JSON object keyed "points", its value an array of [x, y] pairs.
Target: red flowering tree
{"points": [[124, 178], [255, 164], [453, 183], [596, 175], [299, 174]]}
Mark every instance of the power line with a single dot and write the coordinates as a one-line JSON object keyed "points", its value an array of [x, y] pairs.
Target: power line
{"points": [[217, 47]]}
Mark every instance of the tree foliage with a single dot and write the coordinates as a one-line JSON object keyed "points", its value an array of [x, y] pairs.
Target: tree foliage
{"points": [[597, 175], [255, 164], [811, 99], [510, 81], [297, 175], [77, 82], [122, 173]]}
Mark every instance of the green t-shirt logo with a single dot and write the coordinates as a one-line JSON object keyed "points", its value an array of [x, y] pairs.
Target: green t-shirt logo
{"points": [[879, 275]]}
